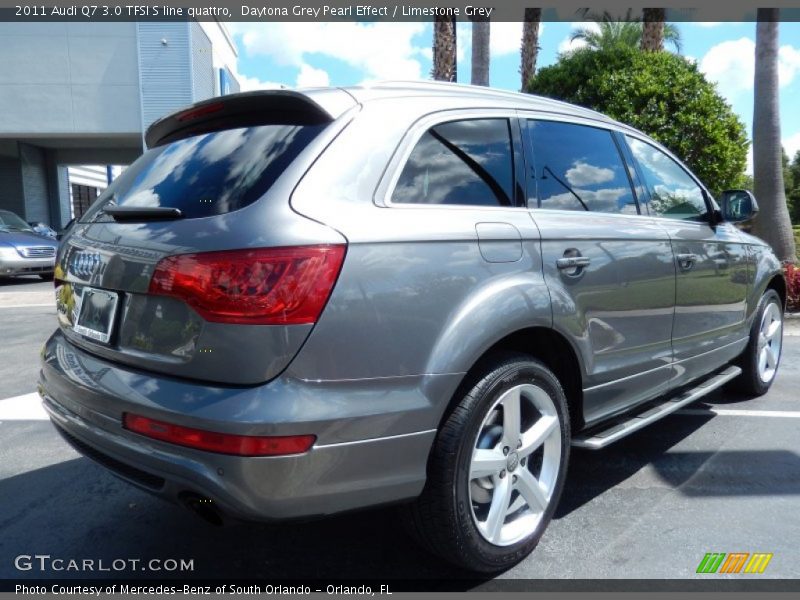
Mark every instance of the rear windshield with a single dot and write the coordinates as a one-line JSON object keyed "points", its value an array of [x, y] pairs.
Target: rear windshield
{"points": [[209, 174]]}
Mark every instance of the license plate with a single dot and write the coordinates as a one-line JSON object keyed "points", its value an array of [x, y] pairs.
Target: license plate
{"points": [[96, 314]]}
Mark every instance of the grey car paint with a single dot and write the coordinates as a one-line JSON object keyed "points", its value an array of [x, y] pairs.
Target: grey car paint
{"points": [[423, 293]]}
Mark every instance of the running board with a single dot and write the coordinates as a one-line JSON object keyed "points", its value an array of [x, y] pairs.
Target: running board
{"points": [[597, 439]]}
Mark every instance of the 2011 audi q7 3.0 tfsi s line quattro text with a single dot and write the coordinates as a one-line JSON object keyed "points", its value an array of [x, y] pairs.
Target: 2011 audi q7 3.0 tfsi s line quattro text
{"points": [[298, 303]]}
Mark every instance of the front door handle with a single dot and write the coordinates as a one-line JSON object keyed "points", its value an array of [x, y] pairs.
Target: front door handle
{"points": [[573, 262], [686, 261]]}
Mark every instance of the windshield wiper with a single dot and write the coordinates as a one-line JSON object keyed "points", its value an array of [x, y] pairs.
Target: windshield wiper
{"points": [[143, 213]]}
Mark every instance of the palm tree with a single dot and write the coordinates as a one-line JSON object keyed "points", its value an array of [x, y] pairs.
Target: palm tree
{"points": [[480, 50], [653, 29], [444, 49], [773, 223], [609, 32], [529, 50]]}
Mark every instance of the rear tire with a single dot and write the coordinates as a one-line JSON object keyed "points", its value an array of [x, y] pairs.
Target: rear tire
{"points": [[496, 472], [761, 358]]}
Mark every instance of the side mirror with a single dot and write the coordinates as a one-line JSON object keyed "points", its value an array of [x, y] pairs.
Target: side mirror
{"points": [[738, 205]]}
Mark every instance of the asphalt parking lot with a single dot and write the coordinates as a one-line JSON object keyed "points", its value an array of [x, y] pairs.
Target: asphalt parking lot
{"points": [[721, 476]]}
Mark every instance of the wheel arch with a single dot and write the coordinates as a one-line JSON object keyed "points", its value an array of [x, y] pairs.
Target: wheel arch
{"points": [[778, 283], [544, 344]]}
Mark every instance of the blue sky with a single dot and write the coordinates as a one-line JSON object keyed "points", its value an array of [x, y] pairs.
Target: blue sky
{"points": [[302, 54]]}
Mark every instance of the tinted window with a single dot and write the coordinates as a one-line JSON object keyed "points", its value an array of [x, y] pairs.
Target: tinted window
{"points": [[578, 168], [673, 192], [461, 162], [210, 174]]}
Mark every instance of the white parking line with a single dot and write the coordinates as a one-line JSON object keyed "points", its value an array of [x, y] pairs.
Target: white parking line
{"points": [[730, 412], [23, 408]]}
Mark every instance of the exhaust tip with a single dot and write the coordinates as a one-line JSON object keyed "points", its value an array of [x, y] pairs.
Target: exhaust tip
{"points": [[203, 507]]}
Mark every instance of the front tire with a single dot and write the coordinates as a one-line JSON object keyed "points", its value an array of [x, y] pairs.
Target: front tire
{"points": [[497, 467], [761, 358]]}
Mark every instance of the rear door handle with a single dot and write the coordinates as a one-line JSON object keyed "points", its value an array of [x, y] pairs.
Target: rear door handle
{"points": [[686, 261]]}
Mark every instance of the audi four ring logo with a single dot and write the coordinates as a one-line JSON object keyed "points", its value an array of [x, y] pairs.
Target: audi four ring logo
{"points": [[83, 264]]}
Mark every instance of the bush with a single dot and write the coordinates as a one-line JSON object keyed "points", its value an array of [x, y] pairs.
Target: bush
{"points": [[792, 287], [663, 95]]}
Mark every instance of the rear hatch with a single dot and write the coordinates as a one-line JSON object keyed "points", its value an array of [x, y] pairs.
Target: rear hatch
{"points": [[192, 262]]}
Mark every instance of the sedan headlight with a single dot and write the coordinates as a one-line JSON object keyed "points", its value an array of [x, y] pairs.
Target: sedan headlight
{"points": [[8, 253]]}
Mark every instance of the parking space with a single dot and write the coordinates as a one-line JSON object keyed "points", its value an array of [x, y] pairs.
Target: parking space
{"points": [[720, 476]]}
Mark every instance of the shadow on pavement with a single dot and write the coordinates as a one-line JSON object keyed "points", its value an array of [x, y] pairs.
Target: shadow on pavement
{"points": [[75, 509]]}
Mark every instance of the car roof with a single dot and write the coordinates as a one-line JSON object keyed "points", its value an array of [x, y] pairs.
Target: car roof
{"points": [[477, 96], [323, 104]]}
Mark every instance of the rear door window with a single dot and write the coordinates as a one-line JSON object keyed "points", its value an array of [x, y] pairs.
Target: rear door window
{"points": [[210, 174], [577, 167], [468, 162]]}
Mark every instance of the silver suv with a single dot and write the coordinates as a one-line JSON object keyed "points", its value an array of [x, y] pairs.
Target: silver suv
{"points": [[298, 303]]}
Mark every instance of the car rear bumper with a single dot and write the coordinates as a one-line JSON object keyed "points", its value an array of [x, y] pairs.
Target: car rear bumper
{"points": [[86, 396], [25, 266]]}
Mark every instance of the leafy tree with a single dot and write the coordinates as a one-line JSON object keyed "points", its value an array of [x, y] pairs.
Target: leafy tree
{"points": [[610, 32], [661, 94]]}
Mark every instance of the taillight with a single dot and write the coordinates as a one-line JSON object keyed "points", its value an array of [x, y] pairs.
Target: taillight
{"points": [[264, 286], [222, 443]]}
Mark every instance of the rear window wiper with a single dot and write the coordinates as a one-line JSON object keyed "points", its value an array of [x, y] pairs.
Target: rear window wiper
{"points": [[141, 213]]}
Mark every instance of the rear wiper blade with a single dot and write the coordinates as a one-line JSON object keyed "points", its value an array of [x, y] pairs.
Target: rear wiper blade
{"points": [[139, 213]]}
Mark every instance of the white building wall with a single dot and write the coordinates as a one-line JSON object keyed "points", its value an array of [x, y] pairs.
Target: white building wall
{"points": [[224, 53], [68, 78]]}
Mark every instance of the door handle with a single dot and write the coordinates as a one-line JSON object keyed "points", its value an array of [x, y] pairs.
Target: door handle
{"points": [[686, 261], [573, 262]]}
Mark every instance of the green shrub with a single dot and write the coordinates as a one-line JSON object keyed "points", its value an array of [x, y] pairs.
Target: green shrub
{"points": [[661, 94]]}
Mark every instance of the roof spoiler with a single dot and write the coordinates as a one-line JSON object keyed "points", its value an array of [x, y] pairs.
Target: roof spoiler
{"points": [[248, 109]]}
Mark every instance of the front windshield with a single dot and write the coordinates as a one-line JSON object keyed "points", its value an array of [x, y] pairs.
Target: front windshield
{"points": [[11, 222]]}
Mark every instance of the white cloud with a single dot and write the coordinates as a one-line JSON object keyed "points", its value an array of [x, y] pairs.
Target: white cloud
{"points": [[788, 64], [249, 84], [792, 144], [311, 77], [707, 24], [731, 65], [748, 168], [507, 37], [582, 174], [380, 50]]}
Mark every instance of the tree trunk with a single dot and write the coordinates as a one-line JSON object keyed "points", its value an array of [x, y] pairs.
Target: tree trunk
{"points": [[480, 51], [530, 45], [444, 49], [653, 29], [772, 223]]}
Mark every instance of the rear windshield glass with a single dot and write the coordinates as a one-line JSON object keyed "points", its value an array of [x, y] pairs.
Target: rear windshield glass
{"points": [[209, 174]]}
